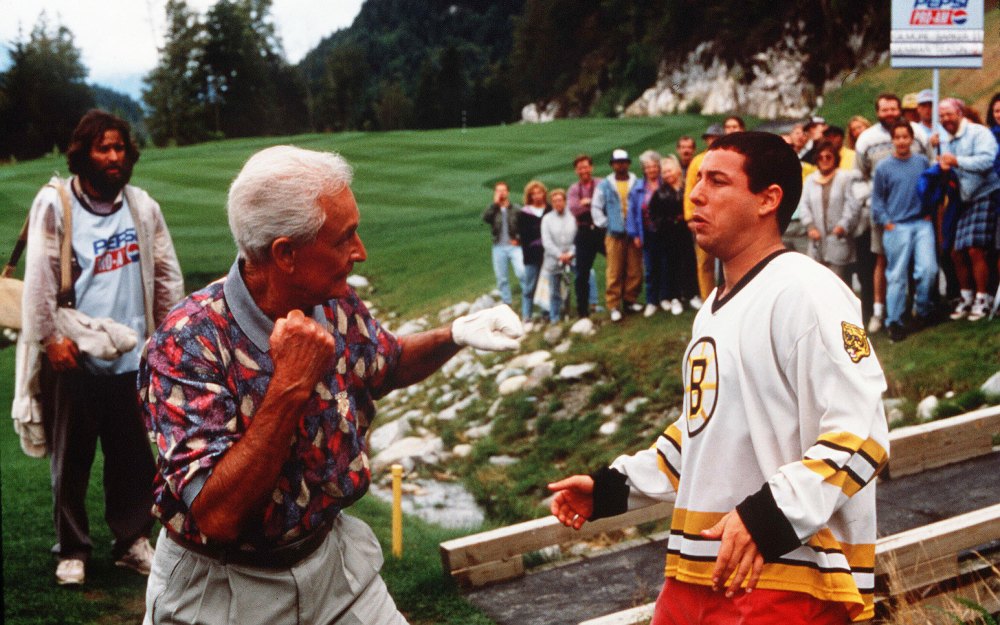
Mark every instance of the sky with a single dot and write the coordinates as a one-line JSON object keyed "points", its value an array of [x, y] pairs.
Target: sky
{"points": [[118, 39]]}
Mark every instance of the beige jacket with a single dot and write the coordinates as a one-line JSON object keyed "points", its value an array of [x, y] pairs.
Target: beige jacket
{"points": [[163, 286]]}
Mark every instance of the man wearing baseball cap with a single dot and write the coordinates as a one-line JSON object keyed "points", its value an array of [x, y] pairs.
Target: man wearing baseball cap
{"points": [[608, 208], [925, 110]]}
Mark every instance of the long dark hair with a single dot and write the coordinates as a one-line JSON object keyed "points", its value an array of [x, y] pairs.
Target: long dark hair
{"points": [[92, 127], [991, 120]]}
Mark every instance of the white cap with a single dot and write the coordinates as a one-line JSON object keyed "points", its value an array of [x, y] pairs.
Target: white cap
{"points": [[620, 155]]}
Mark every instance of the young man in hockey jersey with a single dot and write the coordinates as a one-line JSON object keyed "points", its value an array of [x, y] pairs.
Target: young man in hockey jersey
{"points": [[771, 465]]}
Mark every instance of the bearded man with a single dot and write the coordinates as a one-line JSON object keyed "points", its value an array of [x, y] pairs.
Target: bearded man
{"points": [[122, 268]]}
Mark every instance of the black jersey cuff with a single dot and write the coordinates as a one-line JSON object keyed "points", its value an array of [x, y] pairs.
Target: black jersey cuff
{"points": [[770, 529], [610, 493]]}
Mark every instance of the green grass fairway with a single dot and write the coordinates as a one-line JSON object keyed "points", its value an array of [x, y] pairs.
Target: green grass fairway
{"points": [[421, 195]]}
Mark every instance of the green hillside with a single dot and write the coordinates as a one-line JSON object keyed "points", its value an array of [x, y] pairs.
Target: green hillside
{"points": [[976, 87]]}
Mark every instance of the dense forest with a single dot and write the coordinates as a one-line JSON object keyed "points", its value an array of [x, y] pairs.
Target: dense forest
{"points": [[423, 63]]}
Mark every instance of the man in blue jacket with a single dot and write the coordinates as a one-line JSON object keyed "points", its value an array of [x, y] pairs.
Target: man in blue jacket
{"points": [[608, 208]]}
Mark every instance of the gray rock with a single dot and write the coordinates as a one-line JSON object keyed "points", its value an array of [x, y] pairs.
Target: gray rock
{"points": [[541, 371], [583, 326], [609, 428], [607, 410], [926, 407], [479, 431], [894, 414], [575, 372], [563, 347], [454, 311], [508, 373], [513, 384], [384, 436], [991, 387], [494, 407], [462, 450], [527, 361], [634, 404], [358, 282], [552, 334], [449, 413], [412, 327], [483, 302], [502, 461], [416, 449]]}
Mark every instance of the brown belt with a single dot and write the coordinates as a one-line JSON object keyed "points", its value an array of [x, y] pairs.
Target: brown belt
{"points": [[283, 557]]}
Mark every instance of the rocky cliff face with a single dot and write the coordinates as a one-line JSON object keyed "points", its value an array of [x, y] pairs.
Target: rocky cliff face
{"points": [[769, 86]]}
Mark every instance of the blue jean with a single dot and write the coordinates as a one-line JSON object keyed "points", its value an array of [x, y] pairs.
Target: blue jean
{"points": [[910, 240], [654, 260], [528, 289], [503, 254], [555, 293]]}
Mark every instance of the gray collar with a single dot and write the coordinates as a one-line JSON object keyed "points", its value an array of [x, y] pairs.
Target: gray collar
{"points": [[249, 317]]}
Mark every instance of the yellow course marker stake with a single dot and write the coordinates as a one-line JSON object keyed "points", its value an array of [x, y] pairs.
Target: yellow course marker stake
{"points": [[397, 510]]}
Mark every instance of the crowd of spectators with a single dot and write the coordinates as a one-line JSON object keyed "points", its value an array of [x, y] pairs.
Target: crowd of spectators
{"points": [[904, 211]]}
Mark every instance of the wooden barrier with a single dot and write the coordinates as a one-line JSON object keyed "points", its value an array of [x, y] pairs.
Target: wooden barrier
{"points": [[496, 555], [916, 448]]}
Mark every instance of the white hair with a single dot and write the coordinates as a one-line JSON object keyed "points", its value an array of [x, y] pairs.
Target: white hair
{"points": [[276, 195], [650, 156]]}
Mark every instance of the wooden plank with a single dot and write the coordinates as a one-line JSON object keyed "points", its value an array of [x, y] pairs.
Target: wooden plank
{"points": [[506, 542], [640, 615], [916, 448], [475, 576], [926, 544]]}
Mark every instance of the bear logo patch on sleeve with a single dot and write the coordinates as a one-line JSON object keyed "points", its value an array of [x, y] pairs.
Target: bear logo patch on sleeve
{"points": [[855, 341]]}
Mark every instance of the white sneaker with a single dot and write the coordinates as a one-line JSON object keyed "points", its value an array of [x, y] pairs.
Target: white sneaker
{"points": [[665, 305], [635, 307], [616, 315], [139, 557], [695, 303], [962, 310], [70, 572], [649, 311], [874, 324], [676, 307], [979, 310]]}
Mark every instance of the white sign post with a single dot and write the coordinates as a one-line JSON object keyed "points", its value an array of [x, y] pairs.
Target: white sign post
{"points": [[935, 34]]}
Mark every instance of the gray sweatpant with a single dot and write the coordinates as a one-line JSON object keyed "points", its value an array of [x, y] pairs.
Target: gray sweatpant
{"points": [[336, 584]]}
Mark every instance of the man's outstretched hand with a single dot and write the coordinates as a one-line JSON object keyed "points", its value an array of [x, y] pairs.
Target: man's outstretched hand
{"points": [[494, 329], [574, 500]]}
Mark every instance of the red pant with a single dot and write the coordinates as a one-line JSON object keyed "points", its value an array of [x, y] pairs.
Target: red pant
{"points": [[680, 603]]}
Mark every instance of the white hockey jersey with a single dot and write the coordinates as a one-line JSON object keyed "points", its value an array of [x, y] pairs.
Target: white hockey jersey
{"points": [[783, 421]]}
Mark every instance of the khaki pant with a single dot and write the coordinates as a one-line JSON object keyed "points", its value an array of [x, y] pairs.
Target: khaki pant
{"points": [[338, 584], [706, 271], [624, 272]]}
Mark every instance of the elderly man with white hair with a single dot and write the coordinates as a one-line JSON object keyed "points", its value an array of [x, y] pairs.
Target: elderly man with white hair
{"points": [[260, 390], [969, 149]]}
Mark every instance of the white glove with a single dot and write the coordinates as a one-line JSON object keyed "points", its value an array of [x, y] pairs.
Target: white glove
{"points": [[494, 329]]}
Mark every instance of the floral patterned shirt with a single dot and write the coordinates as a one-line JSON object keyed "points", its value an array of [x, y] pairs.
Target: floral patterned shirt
{"points": [[204, 375]]}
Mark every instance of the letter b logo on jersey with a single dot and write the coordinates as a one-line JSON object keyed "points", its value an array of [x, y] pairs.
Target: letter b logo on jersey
{"points": [[701, 384]]}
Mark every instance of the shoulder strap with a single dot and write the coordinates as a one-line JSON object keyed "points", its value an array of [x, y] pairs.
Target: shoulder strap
{"points": [[66, 295], [15, 255], [144, 238]]}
